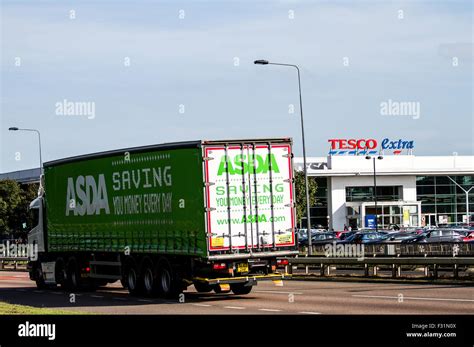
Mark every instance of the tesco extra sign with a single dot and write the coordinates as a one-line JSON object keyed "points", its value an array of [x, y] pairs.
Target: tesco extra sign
{"points": [[368, 146]]}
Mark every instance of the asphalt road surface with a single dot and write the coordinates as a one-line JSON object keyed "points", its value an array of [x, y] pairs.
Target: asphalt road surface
{"points": [[294, 297]]}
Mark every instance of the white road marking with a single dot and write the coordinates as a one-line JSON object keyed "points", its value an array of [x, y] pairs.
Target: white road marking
{"points": [[235, 307], [269, 310], [57, 293], [202, 305], [411, 298], [96, 296], [307, 312], [277, 292]]}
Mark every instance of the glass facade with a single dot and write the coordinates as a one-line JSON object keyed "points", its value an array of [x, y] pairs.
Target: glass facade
{"points": [[442, 201], [319, 212], [384, 193]]}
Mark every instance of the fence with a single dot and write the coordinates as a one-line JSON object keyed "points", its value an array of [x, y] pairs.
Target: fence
{"points": [[404, 249]]}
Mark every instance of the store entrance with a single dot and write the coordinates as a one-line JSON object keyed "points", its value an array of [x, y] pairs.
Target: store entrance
{"points": [[429, 219], [353, 223]]}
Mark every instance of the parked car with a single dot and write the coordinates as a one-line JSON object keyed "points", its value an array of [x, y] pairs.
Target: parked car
{"points": [[345, 234], [398, 236], [364, 237], [321, 237], [436, 235], [469, 237]]}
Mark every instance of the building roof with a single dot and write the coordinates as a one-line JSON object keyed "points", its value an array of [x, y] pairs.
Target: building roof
{"points": [[22, 176], [350, 165]]}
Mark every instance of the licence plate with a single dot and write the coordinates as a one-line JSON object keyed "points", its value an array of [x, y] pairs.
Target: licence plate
{"points": [[244, 267]]}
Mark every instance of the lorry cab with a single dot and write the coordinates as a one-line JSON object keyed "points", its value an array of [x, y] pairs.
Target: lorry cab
{"points": [[36, 234]]}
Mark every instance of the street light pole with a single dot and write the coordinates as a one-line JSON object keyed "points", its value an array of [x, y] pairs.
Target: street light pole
{"points": [[375, 191], [308, 212], [39, 143]]}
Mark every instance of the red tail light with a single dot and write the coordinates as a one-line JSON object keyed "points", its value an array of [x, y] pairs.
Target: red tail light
{"points": [[88, 269], [282, 262], [219, 266]]}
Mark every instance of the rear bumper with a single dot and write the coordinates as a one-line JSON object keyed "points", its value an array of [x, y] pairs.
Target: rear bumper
{"points": [[253, 255], [243, 279]]}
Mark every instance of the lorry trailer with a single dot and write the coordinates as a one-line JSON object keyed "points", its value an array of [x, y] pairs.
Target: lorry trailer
{"points": [[160, 218]]}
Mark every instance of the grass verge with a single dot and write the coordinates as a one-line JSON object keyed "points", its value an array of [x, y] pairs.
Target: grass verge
{"points": [[9, 309]]}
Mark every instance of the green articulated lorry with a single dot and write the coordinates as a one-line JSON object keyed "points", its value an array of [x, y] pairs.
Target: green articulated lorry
{"points": [[160, 218]]}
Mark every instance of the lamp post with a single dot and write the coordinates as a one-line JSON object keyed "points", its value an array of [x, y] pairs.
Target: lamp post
{"points": [[375, 190], [266, 62], [39, 143]]}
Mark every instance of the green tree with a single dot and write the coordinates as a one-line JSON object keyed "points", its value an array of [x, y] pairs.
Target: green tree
{"points": [[300, 194], [14, 202]]}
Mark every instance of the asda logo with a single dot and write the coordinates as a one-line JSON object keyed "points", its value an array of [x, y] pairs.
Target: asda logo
{"points": [[243, 164], [86, 196]]}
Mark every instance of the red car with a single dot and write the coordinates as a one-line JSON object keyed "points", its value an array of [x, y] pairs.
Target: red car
{"points": [[339, 233], [469, 237]]}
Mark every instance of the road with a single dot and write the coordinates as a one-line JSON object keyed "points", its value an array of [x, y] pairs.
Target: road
{"points": [[294, 297]]}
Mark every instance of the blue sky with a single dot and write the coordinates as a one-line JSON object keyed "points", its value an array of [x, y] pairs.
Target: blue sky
{"points": [[190, 61]]}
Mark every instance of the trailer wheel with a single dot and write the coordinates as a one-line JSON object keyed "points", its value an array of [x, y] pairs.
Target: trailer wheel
{"points": [[240, 288], [202, 287], [132, 279], [148, 277], [72, 280], [167, 282]]}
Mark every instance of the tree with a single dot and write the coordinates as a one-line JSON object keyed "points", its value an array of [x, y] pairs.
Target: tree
{"points": [[14, 202], [300, 194]]}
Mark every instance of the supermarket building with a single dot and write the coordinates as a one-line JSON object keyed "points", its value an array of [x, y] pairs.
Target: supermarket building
{"points": [[411, 190]]}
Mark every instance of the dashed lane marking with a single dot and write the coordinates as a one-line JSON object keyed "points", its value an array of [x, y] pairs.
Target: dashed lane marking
{"points": [[269, 310], [202, 305], [411, 298], [235, 307], [277, 292], [308, 312]]}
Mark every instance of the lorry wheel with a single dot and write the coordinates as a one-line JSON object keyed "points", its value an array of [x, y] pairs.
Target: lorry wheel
{"points": [[40, 284], [60, 272], [240, 288], [148, 276], [132, 280], [72, 281], [167, 283], [202, 287]]}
